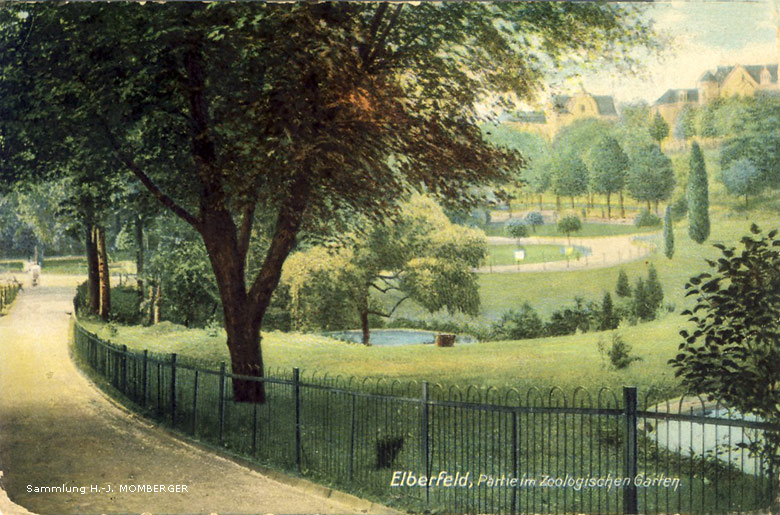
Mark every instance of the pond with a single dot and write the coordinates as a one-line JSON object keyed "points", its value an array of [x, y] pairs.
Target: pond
{"points": [[393, 337], [703, 438]]}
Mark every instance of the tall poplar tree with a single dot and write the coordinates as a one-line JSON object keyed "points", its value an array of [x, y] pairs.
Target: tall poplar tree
{"points": [[668, 233], [698, 197]]}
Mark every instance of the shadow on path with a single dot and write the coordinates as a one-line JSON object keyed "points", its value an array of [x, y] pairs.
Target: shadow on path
{"points": [[58, 432]]}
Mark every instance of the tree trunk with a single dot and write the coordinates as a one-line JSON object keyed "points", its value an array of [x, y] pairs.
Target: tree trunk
{"points": [[540, 202], [609, 208], [151, 304], [648, 206], [93, 272], [364, 326], [557, 202], [105, 281], [157, 302], [622, 207], [139, 258], [572, 201]]}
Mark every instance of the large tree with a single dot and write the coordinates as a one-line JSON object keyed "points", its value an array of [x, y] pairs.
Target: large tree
{"points": [[421, 256], [651, 177], [608, 165], [269, 120]]}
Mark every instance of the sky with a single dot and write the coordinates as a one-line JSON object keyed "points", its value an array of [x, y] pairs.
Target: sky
{"points": [[702, 35]]}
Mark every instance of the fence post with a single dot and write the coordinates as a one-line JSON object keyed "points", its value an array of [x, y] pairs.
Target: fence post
{"points": [[297, 395], [195, 403], [144, 377], [124, 369], [352, 428], [630, 504], [424, 434], [221, 403], [173, 389]]}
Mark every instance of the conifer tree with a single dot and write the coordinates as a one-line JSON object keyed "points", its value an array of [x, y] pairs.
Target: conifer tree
{"points": [[668, 233], [623, 289], [698, 197], [653, 290], [642, 309], [608, 318]]}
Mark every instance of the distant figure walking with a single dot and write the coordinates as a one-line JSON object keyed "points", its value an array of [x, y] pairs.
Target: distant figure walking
{"points": [[35, 273]]}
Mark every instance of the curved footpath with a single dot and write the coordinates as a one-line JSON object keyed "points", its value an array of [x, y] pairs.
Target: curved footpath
{"points": [[57, 429], [605, 251]]}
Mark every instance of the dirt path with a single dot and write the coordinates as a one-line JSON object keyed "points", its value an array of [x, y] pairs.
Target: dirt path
{"points": [[56, 429], [605, 251]]}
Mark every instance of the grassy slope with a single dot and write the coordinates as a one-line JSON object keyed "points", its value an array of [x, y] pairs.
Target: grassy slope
{"points": [[568, 361]]}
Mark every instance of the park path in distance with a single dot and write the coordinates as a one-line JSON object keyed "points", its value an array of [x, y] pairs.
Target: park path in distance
{"points": [[56, 429], [606, 251]]}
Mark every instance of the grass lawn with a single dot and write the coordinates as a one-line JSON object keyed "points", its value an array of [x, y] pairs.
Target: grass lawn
{"points": [[11, 265], [589, 230], [567, 361], [505, 254], [77, 265]]}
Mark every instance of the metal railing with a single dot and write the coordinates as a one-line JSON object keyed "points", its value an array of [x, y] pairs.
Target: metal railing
{"points": [[426, 447]]}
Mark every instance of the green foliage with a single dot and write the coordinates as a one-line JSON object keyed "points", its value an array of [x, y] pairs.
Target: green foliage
{"points": [[608, 166], [646, 219], [733, 352], [668, 233], [534, 219], [569, 224], [517, 228], [756, 140], [742, 178], [623, 289], [189, 292], [125, 303], [653, 289], [608, 319], [422, 256], [569, 175], [640, 302], [659, 129], [518, 324], [651, 176], [698, 198], [571, 319], [618, 353], [685, 127]]}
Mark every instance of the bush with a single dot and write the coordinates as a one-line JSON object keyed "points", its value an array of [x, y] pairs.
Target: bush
{"points": [[516, 228], [534, 219], [125, 303], [569, 320], [518, 325], [646, 219], [618, 353]]}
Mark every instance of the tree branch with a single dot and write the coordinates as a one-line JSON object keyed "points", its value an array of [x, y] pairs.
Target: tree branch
{"points": [[288, 225], [245, 232], [164, 199], [377, 49], [366, 48], [389, 313]]}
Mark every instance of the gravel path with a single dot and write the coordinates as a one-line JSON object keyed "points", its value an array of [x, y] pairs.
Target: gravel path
{"points": [[605, 251], [56, 429]]}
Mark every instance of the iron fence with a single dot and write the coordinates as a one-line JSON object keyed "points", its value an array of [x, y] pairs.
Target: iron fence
{"points": [[425, 447]]}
